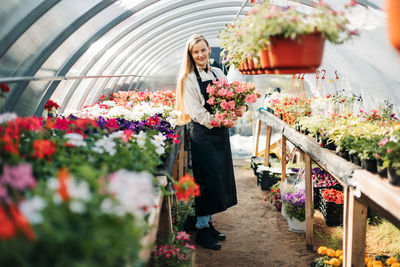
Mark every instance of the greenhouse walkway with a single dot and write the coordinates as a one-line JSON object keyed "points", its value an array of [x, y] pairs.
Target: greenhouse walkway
{"points": [[257, 235]]}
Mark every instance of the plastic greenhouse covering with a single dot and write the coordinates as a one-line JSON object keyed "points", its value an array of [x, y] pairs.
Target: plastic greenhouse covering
{"points": [[113, 45]]}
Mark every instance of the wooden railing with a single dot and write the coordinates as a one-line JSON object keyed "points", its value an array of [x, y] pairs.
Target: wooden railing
{"points": [[362, 189]]}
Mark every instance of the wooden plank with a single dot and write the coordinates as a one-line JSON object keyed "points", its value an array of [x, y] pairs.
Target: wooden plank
{"points": [[385, 195], [268, 145], [283, 159], [337, 166], [258, 130], [309, 203], [165, 223], [271, 120], [346, 205], [356, 231], [148, 240]]}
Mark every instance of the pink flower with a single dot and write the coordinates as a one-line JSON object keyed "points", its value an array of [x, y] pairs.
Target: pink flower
{"points": [[251, 98], [224, 105], [211, 101], [383, 142], [18, 177], [231, 105], [214, 123], [190, 246], [3, 192], [183, 236], [210, 90], [222, 92]]}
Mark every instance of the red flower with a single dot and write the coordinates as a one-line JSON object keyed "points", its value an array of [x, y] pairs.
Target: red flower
{"points": [[333, 195], [4, 88], [21, 222], [186, 188], [51, 104], [112, 123], [43, 148], [7, 228]]}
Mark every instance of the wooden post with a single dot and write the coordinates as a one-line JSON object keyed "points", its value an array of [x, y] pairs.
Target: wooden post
{"points": [[283, 153], [258, 130], [356, 224], [267, 145], [309, 203]]}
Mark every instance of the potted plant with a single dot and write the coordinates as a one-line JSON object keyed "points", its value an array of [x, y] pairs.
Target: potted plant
{"points": [[390, 154], [294, 206], [294, 41], [393, 14], [332, 206]]}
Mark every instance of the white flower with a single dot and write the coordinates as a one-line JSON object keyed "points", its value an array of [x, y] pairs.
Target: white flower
{"points": [[160, 150], [158, 139], [31, 209], [75, 139], [109, 103], [77, 206], [8, 116], [105, 145], [141, 138], [132, 190], [107, 206], [53, 184], [78, 189], [57, 198]]}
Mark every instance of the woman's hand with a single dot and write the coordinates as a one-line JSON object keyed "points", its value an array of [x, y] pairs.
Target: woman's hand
{"points": [[232, 122], [239, 111]]}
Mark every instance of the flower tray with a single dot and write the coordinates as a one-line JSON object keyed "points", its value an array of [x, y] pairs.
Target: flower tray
{"points": [[318, 194], [266, 179], [333, 213]]}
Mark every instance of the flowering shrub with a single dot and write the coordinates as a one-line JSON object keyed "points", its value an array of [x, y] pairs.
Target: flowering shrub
{"points": [[175, 252], [274, 196], [321, 178], [224, 98], [51, 108], [294, 204], [333, 195]]}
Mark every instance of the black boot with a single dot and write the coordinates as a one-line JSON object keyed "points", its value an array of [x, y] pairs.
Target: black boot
{"points": [[205, 239], [217, 235]]}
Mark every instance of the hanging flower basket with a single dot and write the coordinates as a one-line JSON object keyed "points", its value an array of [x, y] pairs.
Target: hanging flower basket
{"points": [[393, 13], [302, 55]]}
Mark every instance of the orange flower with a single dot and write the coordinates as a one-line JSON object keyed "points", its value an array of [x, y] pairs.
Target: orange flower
{"points": [[186, 188], [63, 176]]}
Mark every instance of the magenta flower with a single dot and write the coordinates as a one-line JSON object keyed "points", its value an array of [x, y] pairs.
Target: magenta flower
{"points": [[3, 192], [183, 236], [18, 177]]}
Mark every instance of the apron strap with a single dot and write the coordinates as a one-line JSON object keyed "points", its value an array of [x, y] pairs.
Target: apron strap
{"points": [[198, 75]]}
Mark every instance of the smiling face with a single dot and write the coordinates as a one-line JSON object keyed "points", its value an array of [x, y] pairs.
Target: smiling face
{"points": [[200, 54]]}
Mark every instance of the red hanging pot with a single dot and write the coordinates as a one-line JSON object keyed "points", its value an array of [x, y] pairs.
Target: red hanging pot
{"points": [[295, 56], [393, 13], [265, 62]]}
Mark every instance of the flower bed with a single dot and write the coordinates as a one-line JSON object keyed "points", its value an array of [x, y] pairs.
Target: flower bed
{"points": [[78, 191]]}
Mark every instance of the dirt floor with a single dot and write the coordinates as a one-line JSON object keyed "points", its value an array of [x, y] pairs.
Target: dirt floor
{"points": [[257, 234]]}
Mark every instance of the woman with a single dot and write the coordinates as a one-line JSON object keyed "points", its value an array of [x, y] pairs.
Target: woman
{"points": [[211, 152]]}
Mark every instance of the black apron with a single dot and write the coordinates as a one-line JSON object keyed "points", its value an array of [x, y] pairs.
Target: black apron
{"points": [[212, 163]]}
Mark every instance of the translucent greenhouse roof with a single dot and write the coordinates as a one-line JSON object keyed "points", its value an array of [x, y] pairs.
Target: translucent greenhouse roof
{"points": [[140, 43]]}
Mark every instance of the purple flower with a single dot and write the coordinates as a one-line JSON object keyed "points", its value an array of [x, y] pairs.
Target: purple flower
{"points": [[18, 177]]}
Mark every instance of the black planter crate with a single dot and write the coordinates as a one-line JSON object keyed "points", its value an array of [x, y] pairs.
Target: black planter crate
{"points": [[266, 179], [318, 194], [255, 163], [333, 213]]}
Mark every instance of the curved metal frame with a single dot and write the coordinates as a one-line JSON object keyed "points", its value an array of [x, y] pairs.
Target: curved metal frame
{"points": [[192, 7]]}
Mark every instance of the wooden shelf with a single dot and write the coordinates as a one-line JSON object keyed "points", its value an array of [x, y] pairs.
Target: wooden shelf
{"points": [[385, 196]]}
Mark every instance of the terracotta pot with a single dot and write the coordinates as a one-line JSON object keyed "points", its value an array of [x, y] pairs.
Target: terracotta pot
{"points": [[264, 59], [250, 62], [393, 13], [301, 55], [246, 65]]}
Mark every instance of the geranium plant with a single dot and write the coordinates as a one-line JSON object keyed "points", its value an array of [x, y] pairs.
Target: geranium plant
{"points": [[333, 195]]}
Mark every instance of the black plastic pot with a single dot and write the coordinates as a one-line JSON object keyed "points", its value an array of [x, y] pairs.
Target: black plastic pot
{"points": [[381, 170], [394, 179], [369, 165], [355, 159], [270, 110], [344, 154]]}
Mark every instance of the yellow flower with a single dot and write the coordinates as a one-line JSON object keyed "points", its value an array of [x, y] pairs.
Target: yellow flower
{"points": [[334, 262], [338, 253], [322, 250], [330, 252], [396, 264], [391, 260]]}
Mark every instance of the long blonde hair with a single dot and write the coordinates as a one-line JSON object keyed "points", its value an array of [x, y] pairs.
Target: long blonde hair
{"points": [[187, 67]]}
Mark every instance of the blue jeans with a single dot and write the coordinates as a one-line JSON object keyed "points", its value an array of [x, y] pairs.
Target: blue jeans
{"points": [[202, 221]]}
